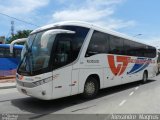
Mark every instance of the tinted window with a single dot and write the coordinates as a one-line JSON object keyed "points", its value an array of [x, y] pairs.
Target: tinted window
{"points": [[131, 48], [17, 53], [5, 53], [63, 52], [98, 44], [151, 52], [135, 49], [116, 45], [68, 45], [127, 47], [2, 51], [77, 38], [138, 49]]}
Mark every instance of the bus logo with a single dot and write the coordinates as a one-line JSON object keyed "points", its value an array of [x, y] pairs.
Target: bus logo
{"points": [[118, 64]]}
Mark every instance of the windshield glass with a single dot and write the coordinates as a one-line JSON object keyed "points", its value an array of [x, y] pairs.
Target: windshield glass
{"points": [[38, 54], [43, 53]]}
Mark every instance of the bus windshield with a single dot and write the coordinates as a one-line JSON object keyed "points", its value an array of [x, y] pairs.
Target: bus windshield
{"points": [[41, 48]]}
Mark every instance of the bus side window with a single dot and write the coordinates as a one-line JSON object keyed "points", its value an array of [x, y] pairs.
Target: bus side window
{"points": [[138, 49], [17, 53], [132, 49], [151, 52], [2, 52], [98, 44], [7, 53], [127, 47], [116, 45]]}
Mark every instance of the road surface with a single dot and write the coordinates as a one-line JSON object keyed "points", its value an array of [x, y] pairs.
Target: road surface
{"points": [[129, 98]]}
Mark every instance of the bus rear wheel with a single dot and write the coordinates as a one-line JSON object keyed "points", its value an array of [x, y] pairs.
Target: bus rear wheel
{"points": [[145, 77], [91, 88]]}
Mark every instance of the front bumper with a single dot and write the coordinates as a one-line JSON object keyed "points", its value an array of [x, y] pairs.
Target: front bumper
{"points": [[43, 92]]}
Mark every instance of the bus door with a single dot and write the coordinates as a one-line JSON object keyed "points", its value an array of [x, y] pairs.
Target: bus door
{"points": [[62, 74]]}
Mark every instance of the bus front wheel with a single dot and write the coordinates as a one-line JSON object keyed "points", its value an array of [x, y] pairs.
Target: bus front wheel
{"points": [[91, 88]]}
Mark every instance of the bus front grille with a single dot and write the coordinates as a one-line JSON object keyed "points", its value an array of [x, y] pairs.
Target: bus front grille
{"points": [[26, 84]]}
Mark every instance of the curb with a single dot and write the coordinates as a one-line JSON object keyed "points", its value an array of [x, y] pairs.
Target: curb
{"points": [[7, 87]]}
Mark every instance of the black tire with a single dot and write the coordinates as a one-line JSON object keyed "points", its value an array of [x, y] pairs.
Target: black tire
{"points": [[91, 88], [145, 77]]}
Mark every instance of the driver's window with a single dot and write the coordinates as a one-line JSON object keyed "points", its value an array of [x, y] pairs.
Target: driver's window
{"points": [[63, 53]]}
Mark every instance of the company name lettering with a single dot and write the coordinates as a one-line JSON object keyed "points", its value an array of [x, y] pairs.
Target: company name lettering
{"points": [[140, 61]]}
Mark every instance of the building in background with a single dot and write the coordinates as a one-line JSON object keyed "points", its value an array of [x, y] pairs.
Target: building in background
{"points": [[2, 39]]}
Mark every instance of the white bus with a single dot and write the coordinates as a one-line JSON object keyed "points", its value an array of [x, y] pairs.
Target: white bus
{"points": [[69, 58]]}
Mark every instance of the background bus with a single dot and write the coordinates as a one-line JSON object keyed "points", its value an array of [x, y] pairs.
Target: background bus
{"points": [[8, 61]]}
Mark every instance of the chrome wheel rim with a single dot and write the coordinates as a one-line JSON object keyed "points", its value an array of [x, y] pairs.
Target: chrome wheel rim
{"points": [[90, 88]]}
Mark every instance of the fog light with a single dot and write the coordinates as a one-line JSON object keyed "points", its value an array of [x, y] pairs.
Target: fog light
{"points": [[43, 92]]}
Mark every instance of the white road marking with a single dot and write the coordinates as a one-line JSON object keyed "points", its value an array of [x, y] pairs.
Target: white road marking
{"points": [[131, 93], [122, 102], [136, 88]]}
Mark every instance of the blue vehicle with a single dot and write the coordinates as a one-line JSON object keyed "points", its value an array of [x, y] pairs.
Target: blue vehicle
{"points": [[8, 61]]}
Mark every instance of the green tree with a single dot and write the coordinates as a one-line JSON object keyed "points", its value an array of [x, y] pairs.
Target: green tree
{"points": [[19, 34]]}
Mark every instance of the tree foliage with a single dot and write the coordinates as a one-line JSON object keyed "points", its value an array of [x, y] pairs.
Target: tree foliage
{"points": [[20, 34]]}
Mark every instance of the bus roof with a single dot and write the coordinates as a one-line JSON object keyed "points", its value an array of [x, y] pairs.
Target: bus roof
{"points": [[8, 45], [87, 25]]}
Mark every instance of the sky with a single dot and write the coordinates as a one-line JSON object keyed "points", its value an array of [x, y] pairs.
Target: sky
{"points": [[136, 18]]}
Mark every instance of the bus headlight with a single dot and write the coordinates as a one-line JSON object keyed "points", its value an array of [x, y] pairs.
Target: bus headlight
{"points": [[41, 82]]}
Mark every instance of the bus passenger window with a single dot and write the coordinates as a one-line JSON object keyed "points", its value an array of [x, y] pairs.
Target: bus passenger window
{"points": [[7, 53], [2, 52], [98, 44], [17, 53], [116, 45]]}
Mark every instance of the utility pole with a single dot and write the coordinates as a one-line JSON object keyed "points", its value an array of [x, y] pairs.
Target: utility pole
{"points": [[12, 28]]}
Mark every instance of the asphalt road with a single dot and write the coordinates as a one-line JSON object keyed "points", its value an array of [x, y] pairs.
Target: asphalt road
{"points": [[129, 98]]}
